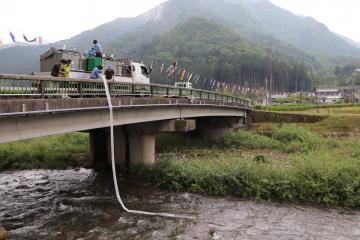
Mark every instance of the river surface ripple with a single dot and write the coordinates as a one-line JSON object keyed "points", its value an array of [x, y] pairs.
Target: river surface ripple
{"points": [[80, 204]]}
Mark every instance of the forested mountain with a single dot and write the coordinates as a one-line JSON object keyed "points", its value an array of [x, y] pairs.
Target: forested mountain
{"points": [[295, 40], [216, 52]]}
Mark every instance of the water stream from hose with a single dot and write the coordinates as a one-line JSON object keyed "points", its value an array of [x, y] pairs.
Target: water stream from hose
{"points": [[113, 166]]}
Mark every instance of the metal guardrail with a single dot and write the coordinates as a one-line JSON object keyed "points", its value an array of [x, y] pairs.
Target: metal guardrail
{"points": [[41, 87]]}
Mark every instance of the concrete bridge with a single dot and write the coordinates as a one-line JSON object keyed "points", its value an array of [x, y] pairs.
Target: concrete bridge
{"points": [[33, 106]]}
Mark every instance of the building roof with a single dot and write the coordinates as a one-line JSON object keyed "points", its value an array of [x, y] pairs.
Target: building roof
{"points": [[328, 90]]}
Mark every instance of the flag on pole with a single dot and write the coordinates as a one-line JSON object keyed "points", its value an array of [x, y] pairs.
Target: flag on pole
{"points": [[169, 68], [162, 67], [189, 79], [12, 37], [26, 39], [172, 71], [182, 75]]}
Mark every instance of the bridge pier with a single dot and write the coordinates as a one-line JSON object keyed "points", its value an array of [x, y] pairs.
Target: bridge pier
{"points": [[134, 144], [142, 149], [100, 148]]}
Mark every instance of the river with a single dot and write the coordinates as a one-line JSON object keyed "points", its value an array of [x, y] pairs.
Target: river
{"points": [[80, 204]]}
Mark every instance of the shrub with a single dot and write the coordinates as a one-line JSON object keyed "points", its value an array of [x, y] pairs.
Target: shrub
{"points": [[296, 139], [244, 139]]}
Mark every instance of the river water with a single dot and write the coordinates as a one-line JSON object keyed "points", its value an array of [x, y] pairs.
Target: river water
{"points": [[80, 204]]}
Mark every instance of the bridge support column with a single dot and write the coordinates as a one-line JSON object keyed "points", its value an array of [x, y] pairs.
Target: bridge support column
{"points": [[100, 151], [141, 148]]}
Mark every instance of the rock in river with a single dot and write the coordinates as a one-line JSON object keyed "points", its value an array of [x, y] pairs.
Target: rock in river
{"points": [[3, 233]]}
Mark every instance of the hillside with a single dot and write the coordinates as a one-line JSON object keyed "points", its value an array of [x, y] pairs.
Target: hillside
{"points": [[293, 39], [216, 52], [249, 17], [21, 59]]}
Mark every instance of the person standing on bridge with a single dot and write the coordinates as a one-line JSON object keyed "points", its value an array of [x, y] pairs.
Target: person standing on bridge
{"points": [[97, 49], [95, 74], [55, 71], [109, 73], [65, 68]]}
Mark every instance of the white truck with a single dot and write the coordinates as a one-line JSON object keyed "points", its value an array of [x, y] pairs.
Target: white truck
{"points": [[81, 66], [184, 85]]}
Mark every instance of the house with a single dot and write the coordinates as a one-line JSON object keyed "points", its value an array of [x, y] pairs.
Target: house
{"points": [[330, 95]]}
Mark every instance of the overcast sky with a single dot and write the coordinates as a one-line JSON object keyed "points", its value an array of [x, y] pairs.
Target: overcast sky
{"points": [[57, 20]]}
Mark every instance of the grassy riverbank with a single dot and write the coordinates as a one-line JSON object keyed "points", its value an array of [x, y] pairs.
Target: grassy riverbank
{"points": [[292, 164], [272, 162], [55, 152], [311, 108]]}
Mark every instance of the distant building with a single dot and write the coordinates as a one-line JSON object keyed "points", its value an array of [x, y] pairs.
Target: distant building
{"points": [[330, 95], [274, 99]]}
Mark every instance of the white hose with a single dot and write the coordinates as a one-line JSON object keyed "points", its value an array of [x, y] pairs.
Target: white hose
{"points": [[169, 215]]}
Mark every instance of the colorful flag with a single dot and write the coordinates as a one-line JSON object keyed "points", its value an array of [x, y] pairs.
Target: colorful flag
{"points": [[189, 79], [182, 75], [12, 37], [26, 39], [178, 72], [169, 68], [172, 72]]}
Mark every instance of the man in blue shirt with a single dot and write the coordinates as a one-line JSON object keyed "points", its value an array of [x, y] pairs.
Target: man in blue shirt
{"points": [[95, 74], [97, 49]]}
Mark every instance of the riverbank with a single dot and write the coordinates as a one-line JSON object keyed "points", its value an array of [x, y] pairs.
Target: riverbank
{"points": [[292, 164], [54, 152], [272, 162]]}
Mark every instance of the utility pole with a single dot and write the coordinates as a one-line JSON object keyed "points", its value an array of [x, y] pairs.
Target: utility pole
{"points": [[268, 79], [315, 90], [353, 89], [174, 63], [353, 83]]}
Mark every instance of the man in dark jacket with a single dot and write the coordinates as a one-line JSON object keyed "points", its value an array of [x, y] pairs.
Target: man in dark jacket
{"points": [[56, 68], [109, 73]]}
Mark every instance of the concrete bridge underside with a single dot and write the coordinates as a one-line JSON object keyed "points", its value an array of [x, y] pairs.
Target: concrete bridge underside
{"points": [[136, 126]]}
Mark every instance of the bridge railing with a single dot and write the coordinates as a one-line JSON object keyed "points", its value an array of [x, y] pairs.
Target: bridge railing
{"points": [[42, 87]]}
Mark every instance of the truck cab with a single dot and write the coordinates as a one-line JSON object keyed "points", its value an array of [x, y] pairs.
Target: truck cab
{"points": [[184, 85], [140, 73]]}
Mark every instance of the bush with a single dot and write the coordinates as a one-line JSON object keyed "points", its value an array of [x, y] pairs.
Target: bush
{"points": [[296, 139], [245, 140], [308, 181], [49, 152]]}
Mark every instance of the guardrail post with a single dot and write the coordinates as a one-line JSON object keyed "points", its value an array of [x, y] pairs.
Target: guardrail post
{"points": [[133, 90], [80, 88], [200, 94], [42, 89], [180, 92], [152, 90]]}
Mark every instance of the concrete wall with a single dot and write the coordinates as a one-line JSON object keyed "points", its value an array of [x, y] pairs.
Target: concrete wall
{"points": [[280, 117]]}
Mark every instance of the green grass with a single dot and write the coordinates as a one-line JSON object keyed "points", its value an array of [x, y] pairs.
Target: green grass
{"points": [[62, 151], [311, 108], [292, 165]]}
